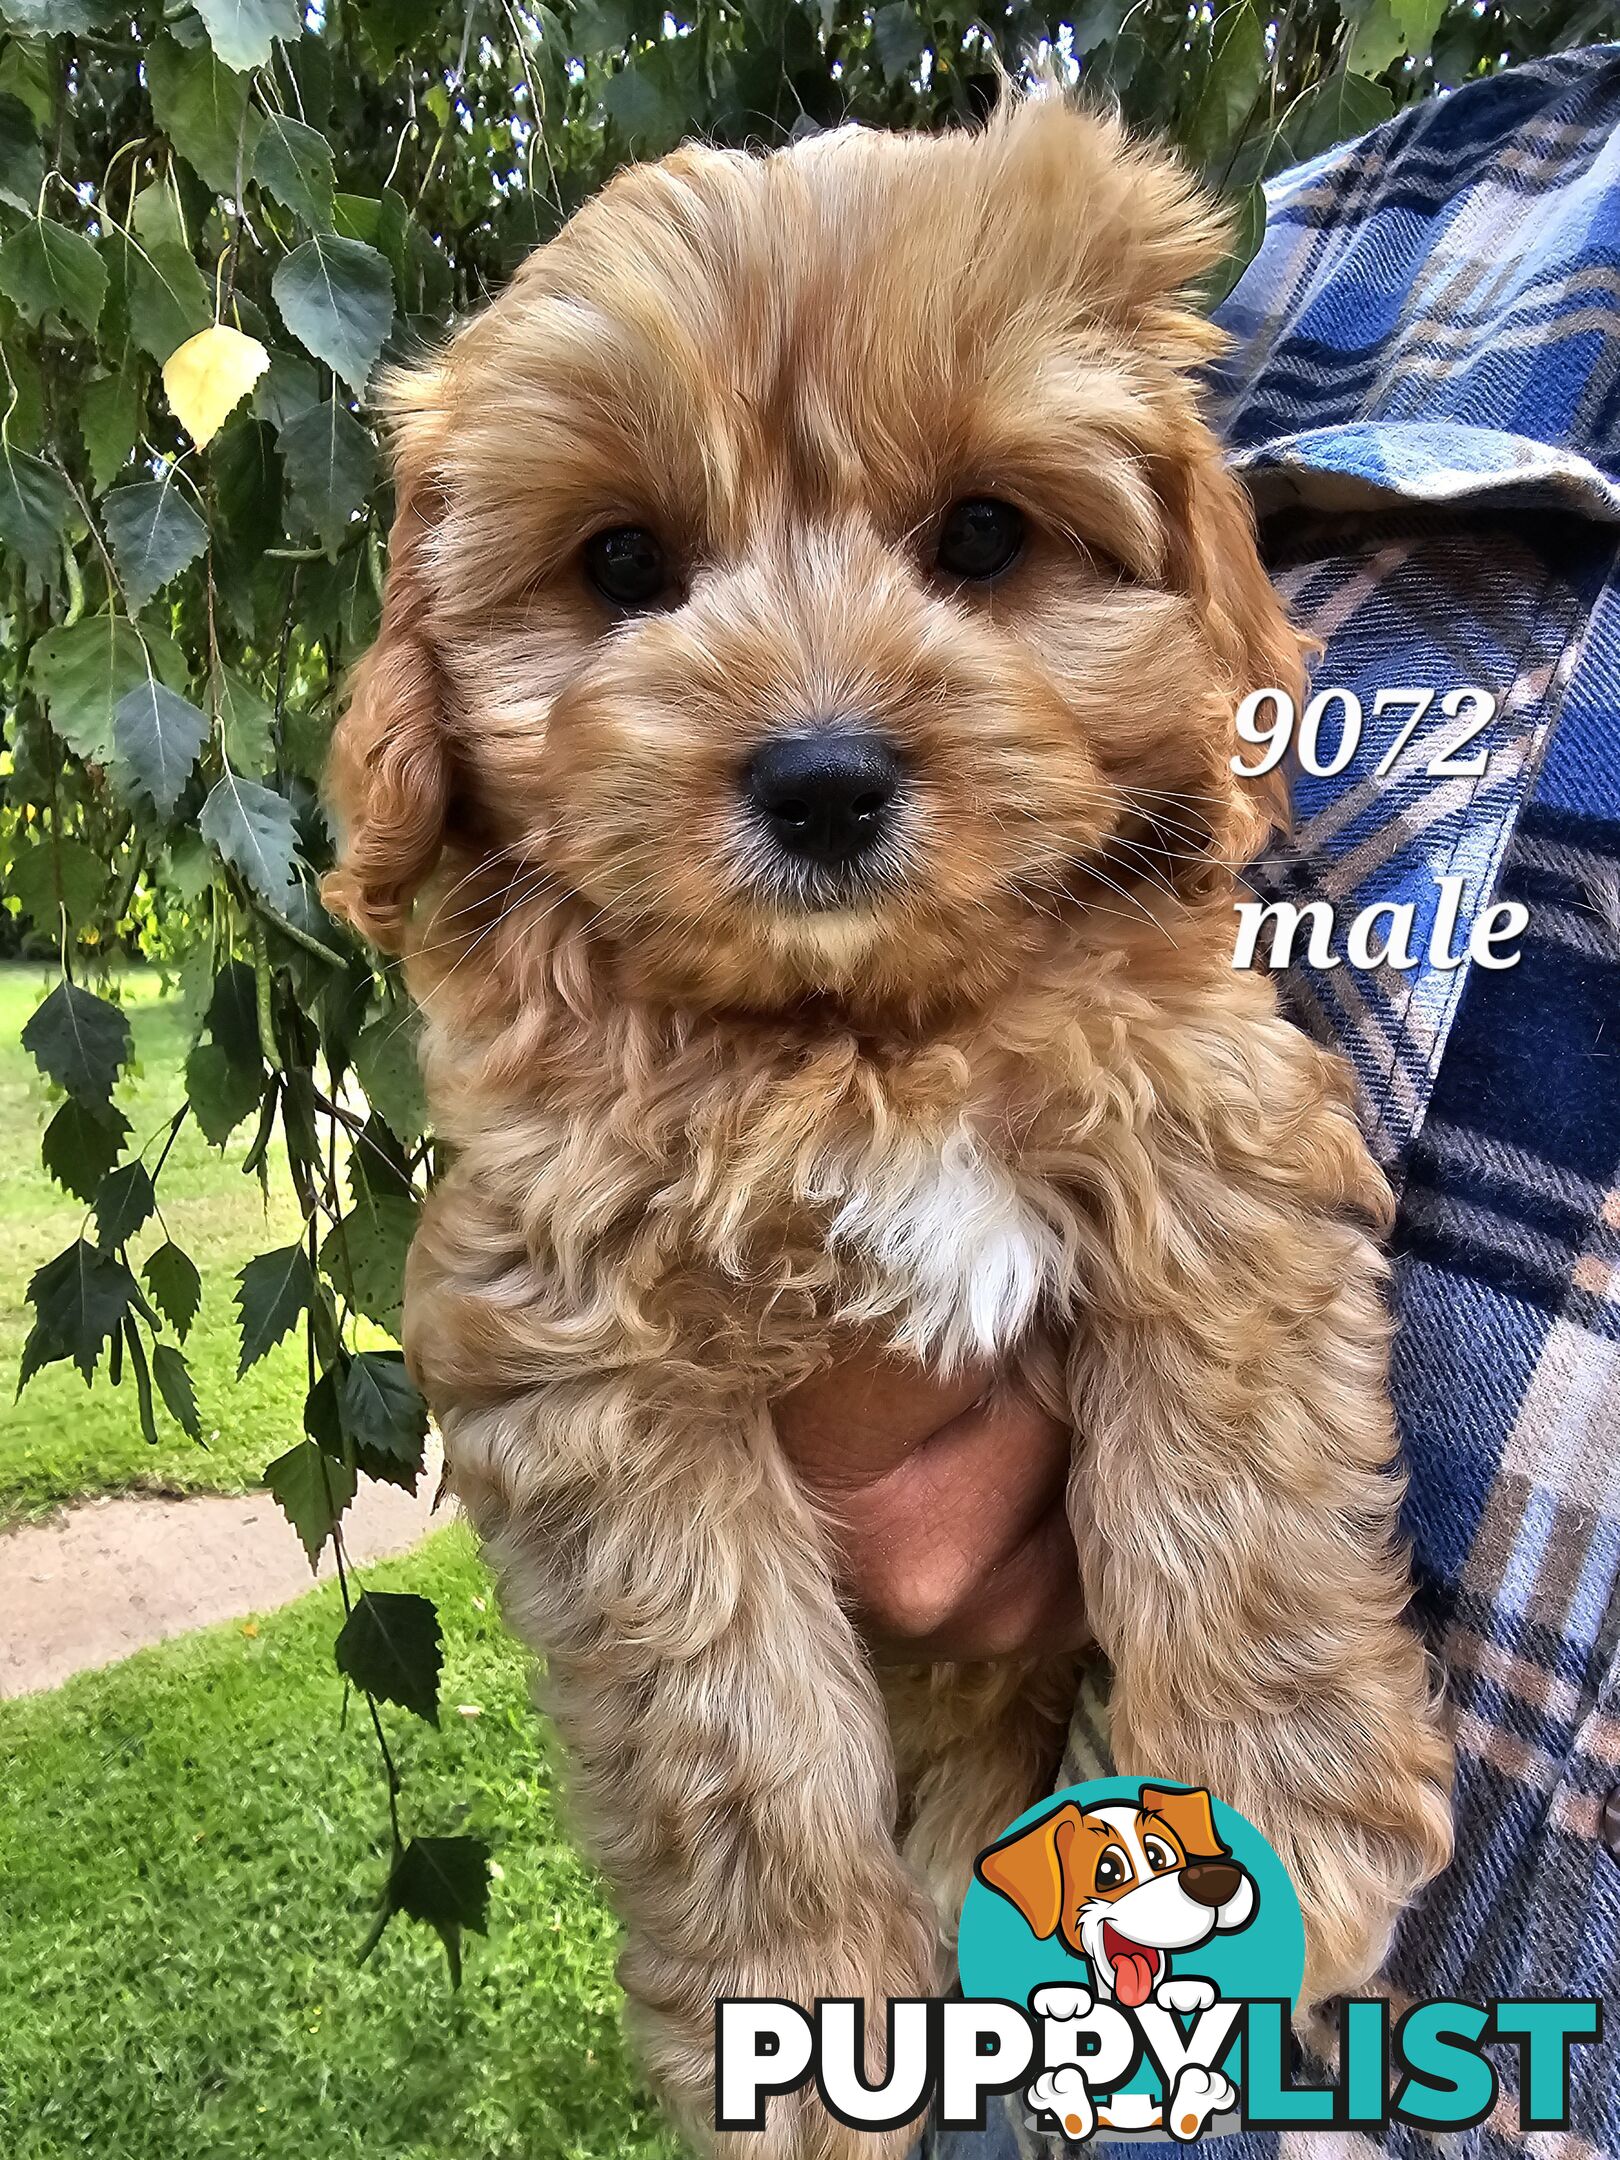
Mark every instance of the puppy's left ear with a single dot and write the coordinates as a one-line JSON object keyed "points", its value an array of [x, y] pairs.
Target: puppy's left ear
{"points": [[388, 773], [1216, 562]]}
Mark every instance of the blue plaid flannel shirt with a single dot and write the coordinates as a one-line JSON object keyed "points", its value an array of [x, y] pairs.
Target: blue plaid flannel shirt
{"points": [[1424, 396]]}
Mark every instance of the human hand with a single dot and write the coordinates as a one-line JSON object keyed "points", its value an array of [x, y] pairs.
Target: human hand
{"points": [[948, 1504]]}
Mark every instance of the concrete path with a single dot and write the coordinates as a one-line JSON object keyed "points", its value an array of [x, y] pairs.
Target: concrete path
{"points": [[112, 1575]]}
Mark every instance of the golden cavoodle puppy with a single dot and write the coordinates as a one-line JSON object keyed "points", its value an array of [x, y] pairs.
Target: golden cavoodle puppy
{"points": [[802, 721]]}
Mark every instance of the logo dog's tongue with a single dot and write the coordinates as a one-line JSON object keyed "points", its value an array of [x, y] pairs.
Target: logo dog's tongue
{"points": [[1134, 1968]]}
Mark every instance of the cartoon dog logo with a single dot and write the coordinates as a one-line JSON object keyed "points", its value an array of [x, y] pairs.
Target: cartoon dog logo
{"points": [[1123, 1886]]}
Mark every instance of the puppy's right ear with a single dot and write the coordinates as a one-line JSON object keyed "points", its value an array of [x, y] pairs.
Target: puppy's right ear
{"points": [[1190, 1816], [389, 769], [1027, 1868]]}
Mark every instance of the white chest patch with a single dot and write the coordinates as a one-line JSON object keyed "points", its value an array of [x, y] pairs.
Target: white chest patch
{"points": [[963, 1257]]}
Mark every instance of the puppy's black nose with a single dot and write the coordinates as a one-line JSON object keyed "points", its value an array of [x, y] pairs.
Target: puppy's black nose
{"points": [[1211, 1882], [825, 798]]}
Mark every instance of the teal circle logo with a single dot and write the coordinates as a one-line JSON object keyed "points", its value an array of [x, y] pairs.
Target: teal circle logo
{"points": [[1129, 1895]]}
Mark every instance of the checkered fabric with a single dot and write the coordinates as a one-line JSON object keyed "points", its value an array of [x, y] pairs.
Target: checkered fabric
{"points": [[1425, 398]]}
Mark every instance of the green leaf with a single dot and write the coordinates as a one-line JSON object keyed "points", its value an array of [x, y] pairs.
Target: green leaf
{"points": [[650, 100], [364, 1254], [1248, 230], [380, 1407], [173, 1376], [598, 28], [901, 38], [1232, 86], [252, 828], [359, 217], [295, 163], [201, 104], [81, 1042], [340, 1412], [423, 279], [196, 982], [391, 1646], [336, 296], [393, 25], [81, 1298], [48, 877], [443, 1882], [46, 268], [169, 298], [246, 722], [81, 1145], [233, 1013], [1418, 20], [81, 672], [38, 1351], [1383, 31], [377, 1165], [358, 607], [306, 738], [142, 1372], [312, 1491], [125, 1202], [187, 869], [158, 737], [155, 534], [249, 514], [331, 468], [323, 1421], [176, 1287], [385, 1059], [52, 18], [221, 1092], [1096, 22], [109, 421], [35, 505], [243, 32], [1344, 106], [156, 214], [290, 387], [27, 73], [24, 394], [272, 1290], [22, 156]]}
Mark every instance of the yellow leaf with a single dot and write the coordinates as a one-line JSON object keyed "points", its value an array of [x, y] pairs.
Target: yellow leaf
{"points": [[209, 375]]}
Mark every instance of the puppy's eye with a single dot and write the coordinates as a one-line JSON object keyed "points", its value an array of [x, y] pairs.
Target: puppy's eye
{"points": [[980, 538], [1159, 1855], [1112, 1869], [627, 566]]}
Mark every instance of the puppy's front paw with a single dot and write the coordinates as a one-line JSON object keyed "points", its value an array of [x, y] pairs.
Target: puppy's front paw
{"points": [[1196, 2096], [1061, 2005], [1187, 1995], [1064, 2095]]}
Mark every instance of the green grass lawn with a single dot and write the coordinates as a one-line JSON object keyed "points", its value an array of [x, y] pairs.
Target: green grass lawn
{"points": [[191, 1844], [62, 1439]]}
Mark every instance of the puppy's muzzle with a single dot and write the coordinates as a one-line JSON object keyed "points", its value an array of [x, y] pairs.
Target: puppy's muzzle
{"points": [[824, 800]]}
